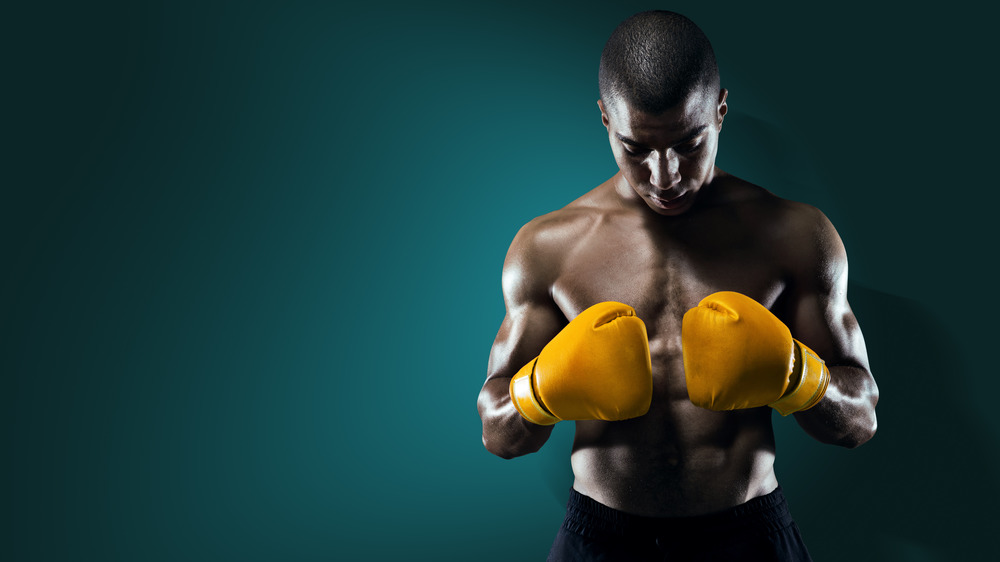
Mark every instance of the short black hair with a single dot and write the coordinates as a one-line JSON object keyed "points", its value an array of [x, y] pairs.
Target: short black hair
{"points": [[656, 59]]}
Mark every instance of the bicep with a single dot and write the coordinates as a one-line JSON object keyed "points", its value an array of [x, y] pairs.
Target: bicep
{"points": [[821, 316], [823, 320], [528, 325], [532, 317]]}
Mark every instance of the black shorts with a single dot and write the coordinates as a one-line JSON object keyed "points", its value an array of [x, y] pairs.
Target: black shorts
{"points": [[758, 530]]}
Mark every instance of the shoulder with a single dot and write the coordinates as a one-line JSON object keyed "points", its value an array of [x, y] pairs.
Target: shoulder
{"points": [[801, 234], [540, 248], [548, 237], [802, 225], [810, 243], [761, 205], [810, 230]]}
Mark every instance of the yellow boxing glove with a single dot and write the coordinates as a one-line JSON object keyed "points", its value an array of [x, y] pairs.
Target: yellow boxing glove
{"points": [[596, 368], [739, 355]]}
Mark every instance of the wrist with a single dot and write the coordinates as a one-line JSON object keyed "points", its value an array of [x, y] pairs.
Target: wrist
{"points": [[808, 382], [524, 395]]}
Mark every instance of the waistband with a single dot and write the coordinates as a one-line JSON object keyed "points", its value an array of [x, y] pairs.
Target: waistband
{"points": [[765, 514]]}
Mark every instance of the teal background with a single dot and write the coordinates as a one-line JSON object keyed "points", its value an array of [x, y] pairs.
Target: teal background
{"points": [[251, 263]]}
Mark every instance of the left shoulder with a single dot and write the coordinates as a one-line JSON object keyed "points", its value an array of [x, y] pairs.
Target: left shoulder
{"points": [[812, 226], [800, 223], [799, 232], [811, 243]]}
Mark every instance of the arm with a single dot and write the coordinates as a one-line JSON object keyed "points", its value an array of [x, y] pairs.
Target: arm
{"points": [[532, 319], [821, 318]]}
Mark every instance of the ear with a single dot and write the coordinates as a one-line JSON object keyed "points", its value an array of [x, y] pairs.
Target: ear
{"points": [[604, 113], [723, 108]]}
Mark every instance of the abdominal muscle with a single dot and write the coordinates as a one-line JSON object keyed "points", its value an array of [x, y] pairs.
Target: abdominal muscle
{"points": [[678, 459]]}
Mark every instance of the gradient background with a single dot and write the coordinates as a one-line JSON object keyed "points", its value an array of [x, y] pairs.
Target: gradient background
{"points": [[251, 267]]}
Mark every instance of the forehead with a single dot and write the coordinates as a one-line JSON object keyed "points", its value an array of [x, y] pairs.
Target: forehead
{"points": [[696, 110]]}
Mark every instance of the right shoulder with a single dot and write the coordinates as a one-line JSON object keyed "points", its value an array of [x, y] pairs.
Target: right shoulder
{"points": [[539, 249]]}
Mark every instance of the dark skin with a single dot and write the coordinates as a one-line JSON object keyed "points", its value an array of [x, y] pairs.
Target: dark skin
{"points": [[667, 230]]}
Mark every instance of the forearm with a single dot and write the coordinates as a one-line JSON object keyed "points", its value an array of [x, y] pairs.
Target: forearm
{"points": [[846, 414], [505, 433]]}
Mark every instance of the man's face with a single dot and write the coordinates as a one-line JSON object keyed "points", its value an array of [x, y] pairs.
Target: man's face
{"points": [[667, 158]]}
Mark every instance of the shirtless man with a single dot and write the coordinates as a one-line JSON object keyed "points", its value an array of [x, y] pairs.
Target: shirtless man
{"points": [[659, 475]]}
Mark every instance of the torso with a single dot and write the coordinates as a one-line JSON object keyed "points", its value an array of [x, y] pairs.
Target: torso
{"points": [[678, 459]]}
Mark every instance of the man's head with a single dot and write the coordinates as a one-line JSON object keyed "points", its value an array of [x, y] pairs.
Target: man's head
{"points": [[653, 60], [662, 106]]}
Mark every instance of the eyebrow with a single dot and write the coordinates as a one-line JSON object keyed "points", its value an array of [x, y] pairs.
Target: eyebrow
{"points": [[694, 133]]}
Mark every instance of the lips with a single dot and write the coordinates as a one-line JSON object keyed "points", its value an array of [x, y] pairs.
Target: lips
{"points": [[671, 201]]}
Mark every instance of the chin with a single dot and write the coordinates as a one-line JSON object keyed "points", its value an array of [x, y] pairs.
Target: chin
{"points": [[668, 213]]}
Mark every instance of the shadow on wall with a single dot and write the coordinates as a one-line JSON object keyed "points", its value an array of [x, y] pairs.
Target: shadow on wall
{"points": [[923, 489]]}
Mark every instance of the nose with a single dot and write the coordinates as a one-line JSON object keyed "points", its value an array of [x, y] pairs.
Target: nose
{"points": [[664, 169]]}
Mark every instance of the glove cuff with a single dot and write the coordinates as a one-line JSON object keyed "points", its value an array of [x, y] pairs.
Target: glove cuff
{"points": [[522, 393], [811, 385]]}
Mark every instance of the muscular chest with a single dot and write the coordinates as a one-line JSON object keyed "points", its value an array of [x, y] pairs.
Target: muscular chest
{"points": [[663, 275]]}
